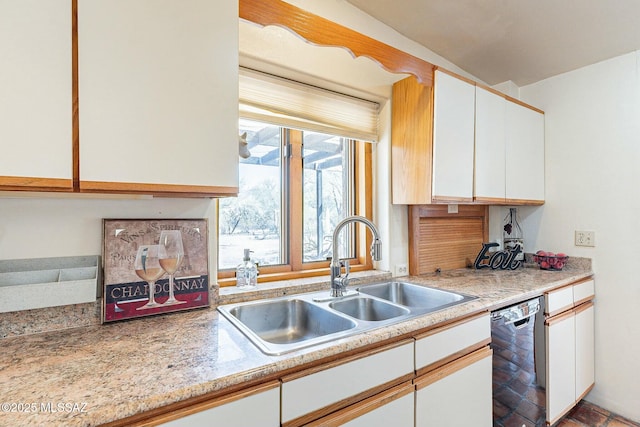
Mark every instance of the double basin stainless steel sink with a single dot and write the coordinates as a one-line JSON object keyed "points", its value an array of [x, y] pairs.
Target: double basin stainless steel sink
{"points": [[285, 324]]}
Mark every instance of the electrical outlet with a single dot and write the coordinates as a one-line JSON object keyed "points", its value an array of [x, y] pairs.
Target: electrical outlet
{"points": [[401, 270], [452, 209], [585, 238]]}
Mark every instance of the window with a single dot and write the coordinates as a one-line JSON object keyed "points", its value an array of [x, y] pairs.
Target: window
{"points": [[297, 184], [294, 188]]}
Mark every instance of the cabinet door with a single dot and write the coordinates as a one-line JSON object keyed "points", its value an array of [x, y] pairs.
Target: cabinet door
{"points": [[311, 394], [585, 348], [489, 183], [258, 407], [457, 394], [36, 94], [561, 365], [158, 87], [393, 407], [453, 138], [524, 154]]}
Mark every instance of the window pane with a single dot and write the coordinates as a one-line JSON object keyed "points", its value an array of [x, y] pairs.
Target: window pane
{"points": [[326, 195], [253, 219]]}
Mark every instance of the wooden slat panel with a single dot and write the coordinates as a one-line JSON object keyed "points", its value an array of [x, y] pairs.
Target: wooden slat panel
{"points": [[448, 243], [440, 240]]}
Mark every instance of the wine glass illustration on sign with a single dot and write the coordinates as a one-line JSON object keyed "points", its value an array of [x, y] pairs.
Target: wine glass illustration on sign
{"points": [[171, 256], [147, 267]]}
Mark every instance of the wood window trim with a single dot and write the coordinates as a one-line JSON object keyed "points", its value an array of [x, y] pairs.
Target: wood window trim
{"points": [[363, 203]]}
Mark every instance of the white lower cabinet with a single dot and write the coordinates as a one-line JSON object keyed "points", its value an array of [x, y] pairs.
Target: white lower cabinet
{"points": [[457, 394], [455, 371], [314, 393], [416, 382], [569, 335], [259, 406], [570, 359], [561, 360], [585, 344], [454, 364]]}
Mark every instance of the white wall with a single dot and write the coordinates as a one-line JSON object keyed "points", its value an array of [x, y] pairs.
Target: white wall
{"points": [[33, 226], [592, 143]]}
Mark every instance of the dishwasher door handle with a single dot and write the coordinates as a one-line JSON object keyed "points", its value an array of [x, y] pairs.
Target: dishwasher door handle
{"points": [[520, 322]]}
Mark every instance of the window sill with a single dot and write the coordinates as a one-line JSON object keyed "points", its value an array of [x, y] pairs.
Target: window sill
{"points": [[232, 294]]}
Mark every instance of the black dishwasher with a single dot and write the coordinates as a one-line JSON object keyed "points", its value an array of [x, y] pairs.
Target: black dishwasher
{"points": [[517, 340]]}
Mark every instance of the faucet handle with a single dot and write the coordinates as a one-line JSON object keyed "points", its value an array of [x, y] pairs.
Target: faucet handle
{"points": [[347, 268]]}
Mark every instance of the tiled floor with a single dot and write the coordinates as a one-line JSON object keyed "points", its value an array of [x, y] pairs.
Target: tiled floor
{"points": [[586, 414], [518, 401]]}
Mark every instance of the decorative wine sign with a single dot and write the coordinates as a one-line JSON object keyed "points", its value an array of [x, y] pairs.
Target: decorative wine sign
{"points": [[499, 260], [154, 266]]}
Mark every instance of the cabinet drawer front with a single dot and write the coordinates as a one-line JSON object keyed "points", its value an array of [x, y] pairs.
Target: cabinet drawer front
{"points": [[558, 300], [451, 342], [305, 394], [584, 291], [261, 408]]}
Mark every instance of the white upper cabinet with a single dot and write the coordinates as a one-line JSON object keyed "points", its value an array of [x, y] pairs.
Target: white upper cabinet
{"points": [[36, 93], [158, 95], [524, 154], [453, 138], [489, 184]]}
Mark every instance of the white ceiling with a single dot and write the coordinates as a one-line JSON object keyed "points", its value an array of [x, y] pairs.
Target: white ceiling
{"points": [[519, 40]]}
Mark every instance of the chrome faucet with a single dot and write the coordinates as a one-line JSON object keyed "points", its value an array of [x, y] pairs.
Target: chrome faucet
{"points": [[339, 283]]}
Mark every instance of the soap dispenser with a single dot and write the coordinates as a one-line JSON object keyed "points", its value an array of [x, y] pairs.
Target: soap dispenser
{"points": [[247, 272]]}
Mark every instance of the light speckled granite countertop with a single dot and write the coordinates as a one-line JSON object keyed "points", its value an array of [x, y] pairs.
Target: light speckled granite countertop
{"points": [[117, 370]]}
